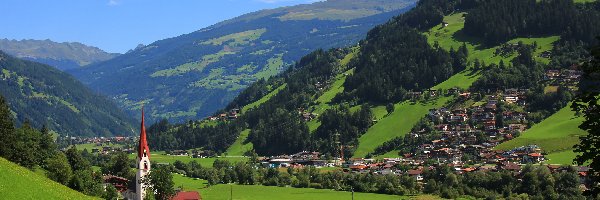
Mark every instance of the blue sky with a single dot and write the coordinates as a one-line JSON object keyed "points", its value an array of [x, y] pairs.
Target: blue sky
{"points": [[119, 25]]}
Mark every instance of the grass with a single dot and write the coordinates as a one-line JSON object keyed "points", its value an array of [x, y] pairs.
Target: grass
{"points": [[398, 123], [238, 148], [192, 66], [273, 67], [263, 99], [160, 157], [241, 38], [188, 183], [324, 101], [556, 135], [451, 37], [271, 192], [17, 182], [561, 157]]}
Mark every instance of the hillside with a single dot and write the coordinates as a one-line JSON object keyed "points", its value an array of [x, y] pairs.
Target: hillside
{"points": [[17, 182], [64, 56], [339, 96], [556, 135], [193, 75], [46, 96]]}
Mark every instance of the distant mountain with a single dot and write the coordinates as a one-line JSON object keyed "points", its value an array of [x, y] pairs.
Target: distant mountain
{"points": [[193, 75], [66, 55], [46, 96]]}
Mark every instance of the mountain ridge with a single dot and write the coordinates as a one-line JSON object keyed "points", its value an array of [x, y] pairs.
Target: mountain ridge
{"points": [[190, 77], [62, 55], [43, 95]]}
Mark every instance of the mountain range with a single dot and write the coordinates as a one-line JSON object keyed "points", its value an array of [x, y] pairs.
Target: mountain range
{"points": [[193, 75], [43, 95], [64, 56]]}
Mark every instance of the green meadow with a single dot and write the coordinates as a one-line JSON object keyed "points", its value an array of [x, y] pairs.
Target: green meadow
{"points": [[238, 148], [17, 182], [398, 123], [556, 136], [247, 192], [161, 157]]}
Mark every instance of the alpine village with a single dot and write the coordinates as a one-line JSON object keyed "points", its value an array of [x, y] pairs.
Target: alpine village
{"points": [[301, 99]]}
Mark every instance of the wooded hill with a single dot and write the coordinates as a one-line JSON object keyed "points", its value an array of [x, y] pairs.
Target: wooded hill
{"points": [[193, 75], [43, 95], [413, 52]]}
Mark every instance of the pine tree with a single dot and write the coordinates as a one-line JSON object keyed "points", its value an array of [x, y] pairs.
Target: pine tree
{"points": [[7, 128]]}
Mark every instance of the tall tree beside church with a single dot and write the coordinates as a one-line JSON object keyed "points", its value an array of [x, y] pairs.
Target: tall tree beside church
{"points": [[161, 182], [587, 103]]}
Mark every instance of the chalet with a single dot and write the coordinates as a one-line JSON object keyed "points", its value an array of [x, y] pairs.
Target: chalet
{"points": [[178, 153], [511, 99], [465, 95], [119, 183], [414, 95], [453, 91], [432, 92], [552, 74], [416, 174]]}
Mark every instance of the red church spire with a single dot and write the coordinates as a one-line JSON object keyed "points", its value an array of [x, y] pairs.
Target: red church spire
{"points": [[143, 149]]}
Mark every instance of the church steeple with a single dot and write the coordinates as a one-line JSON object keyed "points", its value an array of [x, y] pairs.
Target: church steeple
{"points": [[143, 149], [143, 161]]}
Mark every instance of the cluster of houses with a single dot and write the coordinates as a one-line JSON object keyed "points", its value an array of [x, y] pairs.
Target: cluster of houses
{"points": [[195, 153], [298, 160], [230, 115], [106, 145], [565, 77]]}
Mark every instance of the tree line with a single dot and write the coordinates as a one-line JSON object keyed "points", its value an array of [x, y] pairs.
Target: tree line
{"points": [[533, 182], [499, 21]]}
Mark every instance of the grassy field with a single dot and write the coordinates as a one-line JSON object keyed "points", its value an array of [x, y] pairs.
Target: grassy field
{"points": [[452, 37], [561, 157], [17, 182], [398, 123], [556, 136], [238, 148], [160, 157], [248, 192], [263, 99]]}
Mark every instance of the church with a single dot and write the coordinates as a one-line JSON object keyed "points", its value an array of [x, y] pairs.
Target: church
{"points": [[144, 167]]}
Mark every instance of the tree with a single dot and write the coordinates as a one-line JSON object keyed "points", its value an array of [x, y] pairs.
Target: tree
{"points": [[58, 168], [77, 161], [390, 108], [587, 103], [7, 128], [111, 193], [47, 145], [161, 182], [119, 165]]}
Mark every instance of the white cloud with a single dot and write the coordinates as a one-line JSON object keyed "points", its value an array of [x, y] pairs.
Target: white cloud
{"points": [[113, 2]]}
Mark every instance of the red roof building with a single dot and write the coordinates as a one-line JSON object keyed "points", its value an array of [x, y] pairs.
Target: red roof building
{"points": [[193, 195]]}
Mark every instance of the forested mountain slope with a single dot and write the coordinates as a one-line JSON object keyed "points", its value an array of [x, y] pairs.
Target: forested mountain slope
{"points": [[44, 95], [193, 75], [349, 89], [64, 56]]}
